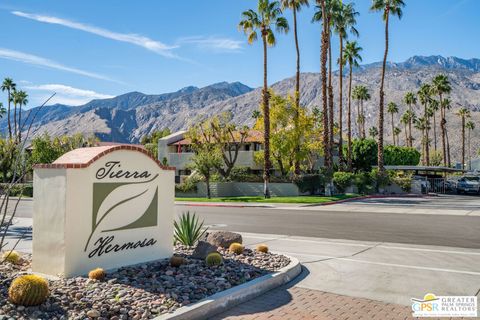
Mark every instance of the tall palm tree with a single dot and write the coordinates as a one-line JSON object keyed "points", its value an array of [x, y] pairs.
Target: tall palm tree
{"points": [[434, 107], [394, 8], [268, 15], [396, 133], [392, 108], [364, 96], [470, 125], [410, 99], [20, 99], [351, 55], [9, 86], [441, 86], [425, 98], [446, 104], [295, 6], [357, 95], [344, 21], [405, 120], [327, 151], [423, 125], [463, 113], [328, 10]]}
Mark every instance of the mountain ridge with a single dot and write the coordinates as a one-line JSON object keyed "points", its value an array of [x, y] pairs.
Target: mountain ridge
{"points": [[128, 117]]}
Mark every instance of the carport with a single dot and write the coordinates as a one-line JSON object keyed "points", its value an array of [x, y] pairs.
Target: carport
{"points": [[435, 175]]}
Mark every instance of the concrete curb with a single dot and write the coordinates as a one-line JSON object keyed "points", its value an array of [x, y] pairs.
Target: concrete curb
{"points": [[227, 299], [380, 196], [223, 205]]}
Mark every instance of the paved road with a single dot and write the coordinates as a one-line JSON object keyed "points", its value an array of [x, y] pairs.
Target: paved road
{"points": [[451, 221], [346, 221]]}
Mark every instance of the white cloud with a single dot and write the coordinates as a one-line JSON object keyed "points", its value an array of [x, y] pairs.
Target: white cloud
{"points": [[67, 94], [136, 39], [44, 62], [213, 43]]}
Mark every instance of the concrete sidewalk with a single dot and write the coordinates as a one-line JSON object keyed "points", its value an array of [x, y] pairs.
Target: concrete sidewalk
{"points": [[387, 272]]}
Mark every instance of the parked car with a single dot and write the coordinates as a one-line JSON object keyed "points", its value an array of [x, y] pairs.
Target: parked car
{"points": [[468, 185]]}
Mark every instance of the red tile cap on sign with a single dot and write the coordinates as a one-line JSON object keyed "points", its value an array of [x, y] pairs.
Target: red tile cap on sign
{"points": [[83, 157]]}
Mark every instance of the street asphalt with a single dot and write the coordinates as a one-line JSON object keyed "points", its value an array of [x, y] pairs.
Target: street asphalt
{"points": [[441, 221]]}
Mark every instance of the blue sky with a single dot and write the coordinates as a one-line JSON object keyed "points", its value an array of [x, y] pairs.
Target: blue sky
{"points": [[97, 49]]}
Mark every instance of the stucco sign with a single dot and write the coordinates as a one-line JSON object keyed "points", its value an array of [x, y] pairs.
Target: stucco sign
{"points": [[101, 207]]}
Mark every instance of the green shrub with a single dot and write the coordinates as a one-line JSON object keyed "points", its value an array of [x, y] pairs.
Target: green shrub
{"points": [[363, 182], [28, 290], [188, 185], [380, 180], [401, 156], [23, 189], [188, 229], [243, 174], [310, 182], [342, 180], [214, 259], [364, 154]]}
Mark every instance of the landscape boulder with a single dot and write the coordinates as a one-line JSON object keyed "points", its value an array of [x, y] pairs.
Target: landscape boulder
{"points": [[203, 249], [224, 238]]}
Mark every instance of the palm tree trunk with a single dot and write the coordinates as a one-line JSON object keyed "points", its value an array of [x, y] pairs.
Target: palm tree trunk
{"points": [[364, 132], [434, 132], [349, 122], [266, 123], [463, 142], [323, 67], [427, 142], [331, 140], [359, 129], [393, 130], [410, 138], [8, 115], [15, 118], [20, 124], [469, 151], [297, 93], [340, 105], [443, 123], [448, 149], [381, 167], [406, 135]]}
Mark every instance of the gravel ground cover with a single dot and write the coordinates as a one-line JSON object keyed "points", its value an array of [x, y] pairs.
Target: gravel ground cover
{"points": [[138, 292]]}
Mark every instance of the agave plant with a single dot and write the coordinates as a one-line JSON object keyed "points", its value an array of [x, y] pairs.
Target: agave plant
{"points": [[188, 229]]}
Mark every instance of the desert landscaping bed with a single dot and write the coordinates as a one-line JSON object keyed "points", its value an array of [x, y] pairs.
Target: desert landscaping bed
{"points": [[143, 291]]}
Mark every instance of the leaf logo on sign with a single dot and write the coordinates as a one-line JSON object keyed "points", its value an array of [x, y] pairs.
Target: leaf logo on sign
{"points": [[123, 206]]}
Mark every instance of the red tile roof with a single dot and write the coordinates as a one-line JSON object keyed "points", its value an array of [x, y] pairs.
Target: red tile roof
{"points": [[83, 157], [253, 136]]}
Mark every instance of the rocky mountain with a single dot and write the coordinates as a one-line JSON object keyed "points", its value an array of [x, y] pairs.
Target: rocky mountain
{"points": [[128, 117]]}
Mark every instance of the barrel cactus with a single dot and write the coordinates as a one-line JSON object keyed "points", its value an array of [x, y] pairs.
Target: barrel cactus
{"points": [[177, 261], [262, 248], [97, 274], [28, 290], [213, 259], [236, 248], [11, 256]]}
